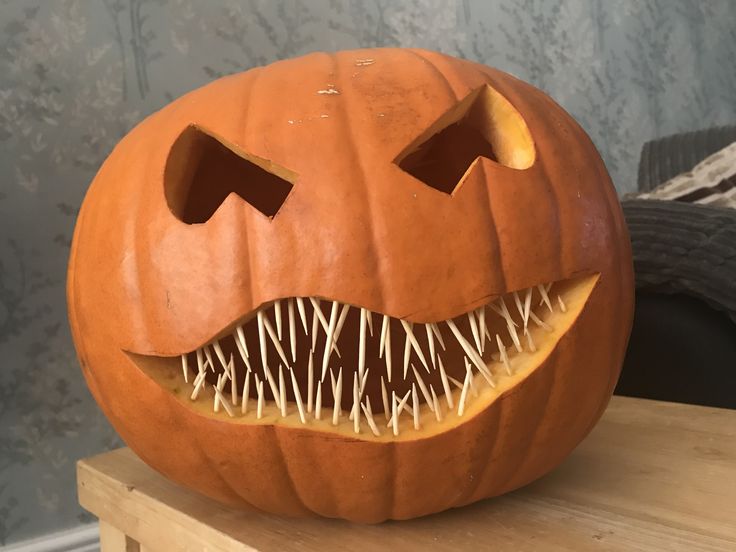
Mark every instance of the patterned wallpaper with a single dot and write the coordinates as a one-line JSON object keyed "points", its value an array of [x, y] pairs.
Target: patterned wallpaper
{"points": [[75, 75]]}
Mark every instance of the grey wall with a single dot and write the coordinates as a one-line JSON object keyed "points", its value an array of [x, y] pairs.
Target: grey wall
{"points": [[75, 75]]}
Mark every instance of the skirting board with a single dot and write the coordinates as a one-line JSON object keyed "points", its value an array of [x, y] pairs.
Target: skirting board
{"points": [[85, 538]]}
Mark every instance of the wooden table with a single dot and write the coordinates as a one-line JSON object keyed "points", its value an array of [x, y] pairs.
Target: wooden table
{"points": [[651, 476]]}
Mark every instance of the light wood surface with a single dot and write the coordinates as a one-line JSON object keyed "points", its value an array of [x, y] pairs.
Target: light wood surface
{"points": [[651, 476]]}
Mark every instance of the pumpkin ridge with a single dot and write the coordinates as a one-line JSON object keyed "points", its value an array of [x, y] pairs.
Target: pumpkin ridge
{"points": [[450, 88], [366, 192]]}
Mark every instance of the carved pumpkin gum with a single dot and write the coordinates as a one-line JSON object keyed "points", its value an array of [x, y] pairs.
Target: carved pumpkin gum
{"points": [[433, 241]]}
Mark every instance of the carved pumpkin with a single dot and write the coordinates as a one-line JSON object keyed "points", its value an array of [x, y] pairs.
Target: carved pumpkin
{"points": [[373, 284]]}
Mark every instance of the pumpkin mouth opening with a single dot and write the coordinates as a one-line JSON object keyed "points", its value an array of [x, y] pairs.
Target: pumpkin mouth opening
{"points": [[341, 368]]}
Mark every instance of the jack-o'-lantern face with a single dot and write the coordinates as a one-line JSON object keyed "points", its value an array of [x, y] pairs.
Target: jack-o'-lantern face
{"points": [[369, 285]]}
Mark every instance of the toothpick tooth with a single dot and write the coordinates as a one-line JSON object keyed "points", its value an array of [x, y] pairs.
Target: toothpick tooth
{"points": [[221, 357], [369, 317], [282, 393], [318, 402], [223, 401], [472, 354], [310, 381], [504, 356], [246, 395], [362, 381], [446, 386], [356, 404], [340, 323], [273, 386], [361, 343], [469, 370], [384, 330], [339, 380], [277, 315], [262, 340], [527, 306], [455, 382], [275, 340], [545, 297], [199, 382], [362, 388], [436, 403], [320, 315], [185, 367], [514, 337], [384, 397], [209, 357], [438, 335], [415, 403], [394, 415], [218, 391], [463, 395], [387, 355], [315, 320], [408, 328], [333, 382], [430, 340], [200, 363], [233, 382], [330, 339], [503, 312], [298, 398], [407, 354], [423, 387], [481, 313], [243, 352], [241, 339], [302, 313], [506, 313], [402, 402], [338, 397], [474, 331], [369, 417], [399, 407], [563, 308], [292, 328], [259, 390], [519, 306], [539, 322], [530, 341]]}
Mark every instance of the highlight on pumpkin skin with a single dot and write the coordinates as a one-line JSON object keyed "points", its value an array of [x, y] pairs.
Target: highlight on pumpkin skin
{"points": [[340, 368]]}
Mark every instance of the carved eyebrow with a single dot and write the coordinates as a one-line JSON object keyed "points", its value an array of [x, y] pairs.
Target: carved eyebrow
{"points": [[483, 124], [201, 171]]}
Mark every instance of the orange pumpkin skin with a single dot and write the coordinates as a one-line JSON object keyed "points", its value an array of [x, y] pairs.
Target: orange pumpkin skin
{"points": [[355, 228]]}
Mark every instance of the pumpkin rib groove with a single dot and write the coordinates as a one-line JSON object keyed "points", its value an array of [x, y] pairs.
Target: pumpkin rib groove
{"points": [[358, 162], [436, 70], [551, 388], [488, 206], [202, 449], [543, 175], [482, 456], [248, 232], [284, 465]]}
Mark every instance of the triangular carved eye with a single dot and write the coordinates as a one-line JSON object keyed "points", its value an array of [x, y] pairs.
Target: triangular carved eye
{"points": [[483, 124], [201, 171]]}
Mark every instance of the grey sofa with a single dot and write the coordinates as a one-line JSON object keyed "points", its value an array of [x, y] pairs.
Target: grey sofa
{"points": [[683, 342]]}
